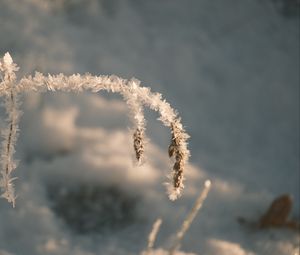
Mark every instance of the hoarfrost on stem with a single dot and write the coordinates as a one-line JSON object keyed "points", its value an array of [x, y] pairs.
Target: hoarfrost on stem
{"points": [[136, 97], [9, 135]]}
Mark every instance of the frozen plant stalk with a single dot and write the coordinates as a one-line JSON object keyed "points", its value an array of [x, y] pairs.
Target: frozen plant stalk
{"points": [[190, 217], [152, 235], [138, 119], [183, 229], [135, 96], [8, 78]]}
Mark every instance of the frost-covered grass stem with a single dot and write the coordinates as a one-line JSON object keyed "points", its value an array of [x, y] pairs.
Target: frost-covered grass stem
{"points": [[9, 134], [152, 235], [136, 97], [190, 217]]}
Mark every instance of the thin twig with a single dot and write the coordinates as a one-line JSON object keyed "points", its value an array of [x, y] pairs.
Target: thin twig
{"points": [[152, 235], [190, 217]]}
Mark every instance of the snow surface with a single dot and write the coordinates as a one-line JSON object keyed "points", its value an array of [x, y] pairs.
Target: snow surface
{"points": [[231, 70]]}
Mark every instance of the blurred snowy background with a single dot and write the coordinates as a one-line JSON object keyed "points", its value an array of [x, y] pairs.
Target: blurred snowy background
{"points": [[231, 69]]}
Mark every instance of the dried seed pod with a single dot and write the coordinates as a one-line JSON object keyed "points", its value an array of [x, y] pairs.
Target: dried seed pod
{"points": [[178, 178], [171, 149], [178, 173], [178, 151], [138, 144]]}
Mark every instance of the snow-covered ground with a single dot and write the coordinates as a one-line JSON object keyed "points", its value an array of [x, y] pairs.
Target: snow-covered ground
{"points": [[231, 69]]}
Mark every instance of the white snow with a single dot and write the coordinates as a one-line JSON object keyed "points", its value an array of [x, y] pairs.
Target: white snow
{"points": [[231, 70]]}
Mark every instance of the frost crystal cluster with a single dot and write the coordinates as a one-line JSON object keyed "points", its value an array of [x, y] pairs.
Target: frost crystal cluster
{"points": [[135, 96]]}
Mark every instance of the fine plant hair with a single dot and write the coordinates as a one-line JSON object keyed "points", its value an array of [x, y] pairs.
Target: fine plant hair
{"points": [[136, 96]]}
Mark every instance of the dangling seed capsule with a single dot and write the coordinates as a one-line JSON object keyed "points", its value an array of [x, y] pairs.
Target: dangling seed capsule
{"points": [[138, 144], [171, 149]]}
